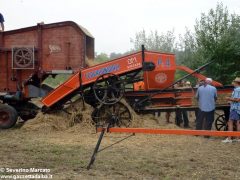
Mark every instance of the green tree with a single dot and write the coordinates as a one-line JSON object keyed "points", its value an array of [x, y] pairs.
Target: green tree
{"points": [[217, 37], [155, 42], [186, 50], [114, 55], [102, 57]]}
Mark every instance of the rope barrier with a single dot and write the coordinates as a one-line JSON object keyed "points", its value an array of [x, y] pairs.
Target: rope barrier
{"points": [[172, 131]]}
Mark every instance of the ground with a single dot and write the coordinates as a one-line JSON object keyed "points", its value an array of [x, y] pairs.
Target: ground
{"points": [[67, 152]]}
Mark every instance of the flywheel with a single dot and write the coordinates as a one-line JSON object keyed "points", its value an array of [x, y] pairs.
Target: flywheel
{"points": [[108, 88], [23, 58]]}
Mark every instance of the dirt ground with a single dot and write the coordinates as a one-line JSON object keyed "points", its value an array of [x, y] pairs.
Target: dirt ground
{"points": [[66, 149]]}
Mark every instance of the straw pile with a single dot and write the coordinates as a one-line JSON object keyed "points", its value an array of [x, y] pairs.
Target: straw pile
{"points": [[75, 117], [137, 120], [150, 120], [59, 120]]}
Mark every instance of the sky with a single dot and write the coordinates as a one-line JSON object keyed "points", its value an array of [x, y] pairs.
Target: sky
{"points": [[112, 22]]}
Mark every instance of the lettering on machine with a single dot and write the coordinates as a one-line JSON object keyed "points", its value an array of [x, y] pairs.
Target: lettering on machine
{"points": [[133, 63], [101, 71]]}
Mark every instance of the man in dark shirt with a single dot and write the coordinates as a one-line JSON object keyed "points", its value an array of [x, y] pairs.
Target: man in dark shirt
{"points": [[1, 22]]}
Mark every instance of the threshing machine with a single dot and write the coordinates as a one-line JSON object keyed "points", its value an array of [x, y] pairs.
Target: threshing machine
{"points": [[62, 48]]}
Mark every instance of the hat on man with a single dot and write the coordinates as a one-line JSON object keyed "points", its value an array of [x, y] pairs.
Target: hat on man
{"points": [[237, 80]]}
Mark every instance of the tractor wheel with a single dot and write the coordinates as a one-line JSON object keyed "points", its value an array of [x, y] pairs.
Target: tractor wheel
{"points": [[8, 116]]}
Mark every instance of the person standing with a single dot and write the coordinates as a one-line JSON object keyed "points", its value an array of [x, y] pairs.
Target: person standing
{"points": [[234, 115], [206, 96], [181, 114], [1, 22]]}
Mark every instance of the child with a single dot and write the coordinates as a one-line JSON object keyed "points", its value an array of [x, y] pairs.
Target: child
{"points": [[234, 109]]}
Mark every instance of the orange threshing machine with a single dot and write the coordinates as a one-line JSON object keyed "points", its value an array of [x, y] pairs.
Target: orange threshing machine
{"points": [[103, 85], [30, 55]]}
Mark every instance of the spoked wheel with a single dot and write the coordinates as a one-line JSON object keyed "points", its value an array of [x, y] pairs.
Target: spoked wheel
{"points": [[108, 88], [23, 57], [221, 123], [8, 116], [118, 113]]}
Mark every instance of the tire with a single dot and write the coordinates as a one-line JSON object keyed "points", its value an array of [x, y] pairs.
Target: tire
{"points": [[8, 116]]}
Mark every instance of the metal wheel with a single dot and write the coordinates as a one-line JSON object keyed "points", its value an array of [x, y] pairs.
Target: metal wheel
{"points": [[108, 89], [23, 57], [27, 110], [118, 112], [8, 116], [221, 123]]}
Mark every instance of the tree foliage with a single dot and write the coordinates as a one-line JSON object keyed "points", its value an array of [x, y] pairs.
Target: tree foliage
{"points": [[114, 55], [217, 37], [186, 50], [155, 42], [102, 57]]}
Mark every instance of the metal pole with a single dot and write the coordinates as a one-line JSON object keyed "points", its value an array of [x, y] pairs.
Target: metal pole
{"points": [[97, 146], [143, 54]]}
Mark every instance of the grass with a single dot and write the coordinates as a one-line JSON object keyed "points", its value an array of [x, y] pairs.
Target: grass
{"points": [[139, 157]]}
